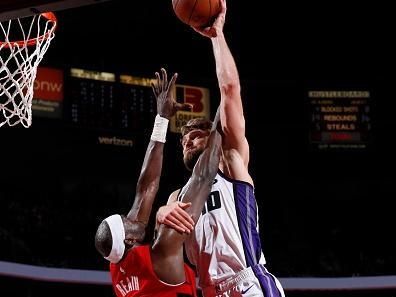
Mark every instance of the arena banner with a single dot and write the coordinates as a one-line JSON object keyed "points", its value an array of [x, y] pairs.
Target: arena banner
{"points": [[48, 93], [196, 96], [124, 102]]}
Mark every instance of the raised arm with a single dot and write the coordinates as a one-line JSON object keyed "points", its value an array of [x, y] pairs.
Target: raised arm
{"points": [[232, 118], [116, 233], [167, 251], [200, 183], [148, 183]]}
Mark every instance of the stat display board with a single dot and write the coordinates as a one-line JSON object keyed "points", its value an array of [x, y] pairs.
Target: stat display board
{"points": [[104, 100], [107, 101], [340, 119]]}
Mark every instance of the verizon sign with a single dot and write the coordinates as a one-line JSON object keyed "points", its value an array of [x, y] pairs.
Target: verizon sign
{"points": [[48, 93]]}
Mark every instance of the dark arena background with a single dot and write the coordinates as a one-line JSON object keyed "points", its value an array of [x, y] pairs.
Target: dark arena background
{"points": [[318, 90]]}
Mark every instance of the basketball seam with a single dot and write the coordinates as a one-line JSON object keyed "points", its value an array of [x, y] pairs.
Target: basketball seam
{"points": [[192, 11]]}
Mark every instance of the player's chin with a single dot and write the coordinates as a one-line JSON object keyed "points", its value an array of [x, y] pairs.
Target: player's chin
{"points": [[190, 159], [187, 163]]}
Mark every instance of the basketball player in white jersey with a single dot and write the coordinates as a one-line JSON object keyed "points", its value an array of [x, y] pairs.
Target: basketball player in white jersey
{"points": [[225, 245]]}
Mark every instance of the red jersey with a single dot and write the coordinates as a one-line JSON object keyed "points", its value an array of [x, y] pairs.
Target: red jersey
{"points": [[134, 276]]}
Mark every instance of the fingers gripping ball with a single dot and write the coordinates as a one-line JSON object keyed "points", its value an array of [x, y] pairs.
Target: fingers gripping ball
{"points": [[196, 13]]}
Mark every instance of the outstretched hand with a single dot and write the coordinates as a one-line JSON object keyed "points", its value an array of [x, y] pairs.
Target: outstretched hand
{"points": [[163, 92], [175, 216], [217, 27]]}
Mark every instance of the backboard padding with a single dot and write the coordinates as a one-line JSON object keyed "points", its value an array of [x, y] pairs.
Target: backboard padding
{"points": [[12, 9]]}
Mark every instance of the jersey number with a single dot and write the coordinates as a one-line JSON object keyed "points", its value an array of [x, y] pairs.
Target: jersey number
{"points": [[213, 202]]}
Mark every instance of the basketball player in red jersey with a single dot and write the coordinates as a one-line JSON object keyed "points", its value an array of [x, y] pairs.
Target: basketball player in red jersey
{"points": [[225, 246], [158, 269]]}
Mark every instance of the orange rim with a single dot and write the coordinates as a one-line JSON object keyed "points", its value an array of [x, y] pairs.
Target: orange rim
{"points": [[50, 16]]}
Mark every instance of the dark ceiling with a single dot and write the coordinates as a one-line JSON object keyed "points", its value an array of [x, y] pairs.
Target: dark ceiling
{"points": [[279, 49], [270, 40], [273, 41]]}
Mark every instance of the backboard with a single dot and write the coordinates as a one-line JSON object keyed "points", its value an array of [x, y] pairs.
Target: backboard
{"points": [[12, 9]]}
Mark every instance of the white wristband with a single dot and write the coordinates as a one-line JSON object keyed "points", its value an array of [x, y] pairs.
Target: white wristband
{"points": [[160, 129]]}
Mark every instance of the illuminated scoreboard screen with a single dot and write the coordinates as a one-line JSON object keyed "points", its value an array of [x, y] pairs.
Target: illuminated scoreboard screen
{"points": [[137, 105], [340, 119], [107, 101]]}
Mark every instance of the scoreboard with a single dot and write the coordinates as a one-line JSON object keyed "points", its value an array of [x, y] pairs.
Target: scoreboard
{"points": [[110, 102], [138, 105], [340, 119], [103, 100]]}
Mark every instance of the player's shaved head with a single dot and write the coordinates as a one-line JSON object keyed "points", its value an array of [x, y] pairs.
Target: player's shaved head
{"points": [[103, 239]]}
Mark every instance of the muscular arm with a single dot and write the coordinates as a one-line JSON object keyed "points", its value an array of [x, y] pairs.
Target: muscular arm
{"points": [[199, 185], [232, 118], [235, 159], [148, 183], [167, 252]]}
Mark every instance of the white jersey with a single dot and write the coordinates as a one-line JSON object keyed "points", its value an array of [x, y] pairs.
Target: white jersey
{"points": [[226, 237]]}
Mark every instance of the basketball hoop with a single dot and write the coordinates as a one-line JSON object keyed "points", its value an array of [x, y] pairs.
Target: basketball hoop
{"points": [[23, 43]]}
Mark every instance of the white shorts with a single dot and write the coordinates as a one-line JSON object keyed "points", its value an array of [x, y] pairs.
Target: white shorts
{"points": [[251, 282]]}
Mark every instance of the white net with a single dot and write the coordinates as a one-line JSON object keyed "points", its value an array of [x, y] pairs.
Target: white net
{"points": [[23, 43]]}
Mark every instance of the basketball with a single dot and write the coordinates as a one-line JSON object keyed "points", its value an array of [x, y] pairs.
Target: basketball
{"points": [[196, 13]]}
